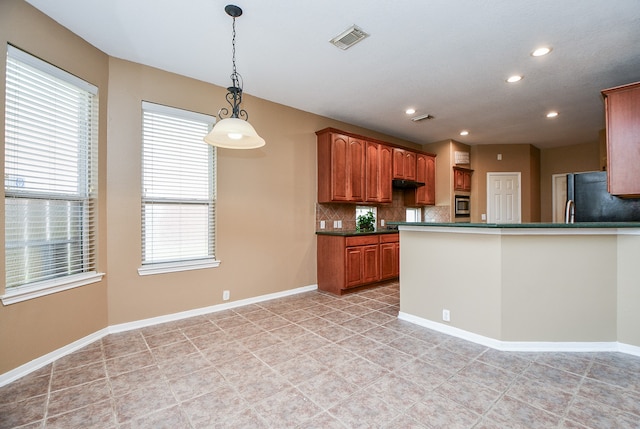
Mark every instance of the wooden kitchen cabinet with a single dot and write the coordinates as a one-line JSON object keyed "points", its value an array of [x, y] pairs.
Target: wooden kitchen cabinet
{"points": [[404, 164], [378, 175], [355, 169], [341, 168], [426, 173], [346, 262], [462, 179], [389, 256], [622, 109]]}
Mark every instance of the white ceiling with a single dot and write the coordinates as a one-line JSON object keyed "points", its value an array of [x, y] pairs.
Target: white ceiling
{"points": [[448, 58]]}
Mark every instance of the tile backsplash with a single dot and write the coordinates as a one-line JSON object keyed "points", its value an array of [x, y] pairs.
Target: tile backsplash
{"points": [[330, 212], [440, 214]]}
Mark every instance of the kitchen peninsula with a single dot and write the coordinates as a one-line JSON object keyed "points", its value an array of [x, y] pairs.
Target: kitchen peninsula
{"points": [[525, 286]]}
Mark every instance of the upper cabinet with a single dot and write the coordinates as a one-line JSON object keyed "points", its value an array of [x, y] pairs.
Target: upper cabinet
{"points": [[378, 173], [341, 167], [404, 164], [356, 169], [426, 173], [462, 179], [622, 106]]}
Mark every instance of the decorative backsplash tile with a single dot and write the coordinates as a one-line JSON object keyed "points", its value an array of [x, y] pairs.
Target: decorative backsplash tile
{"points": [[330, 212], [440, 214]]}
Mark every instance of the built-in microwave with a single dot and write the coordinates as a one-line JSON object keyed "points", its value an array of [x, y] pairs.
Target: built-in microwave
{"points": [[462, 206]]}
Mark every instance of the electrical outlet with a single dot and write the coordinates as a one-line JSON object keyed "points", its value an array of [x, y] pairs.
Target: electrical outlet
{"points": [[339, 224], [335, 223], [381, 222], [226, 295], [446, 315], [322, 224]]}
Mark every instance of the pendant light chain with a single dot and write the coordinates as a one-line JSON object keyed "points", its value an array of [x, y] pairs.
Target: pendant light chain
{"points": [[234, 75]]}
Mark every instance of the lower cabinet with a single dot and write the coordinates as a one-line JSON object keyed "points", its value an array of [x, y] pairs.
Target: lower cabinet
{"points": [[389, 257], [351, 261]]}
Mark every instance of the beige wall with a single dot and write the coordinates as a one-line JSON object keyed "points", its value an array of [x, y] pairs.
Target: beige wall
{"points": [[578, 286], [559, 288], [265, 208], [432, 279], [561, 160], [521, 158], [628, 290], [33, 328]]}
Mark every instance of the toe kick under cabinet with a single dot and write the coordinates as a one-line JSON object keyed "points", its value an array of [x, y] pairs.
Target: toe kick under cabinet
{"points": [[350, 261]]}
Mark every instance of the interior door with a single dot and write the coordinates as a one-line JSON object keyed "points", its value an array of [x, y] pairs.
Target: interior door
{"points": [[503, 198], [559, 192]]}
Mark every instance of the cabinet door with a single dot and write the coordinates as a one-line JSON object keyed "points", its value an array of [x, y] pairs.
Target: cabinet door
{"points": [[355, 169], [466, 181], [388, 262], [372, 173], [410, 165], [458, 180], [398, 163], [385, 173], [354, 269], [421, 176], [371, 264], [622, 107], [339, 156], [430, 181]]}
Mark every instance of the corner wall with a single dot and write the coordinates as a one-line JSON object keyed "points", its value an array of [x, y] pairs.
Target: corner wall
{"points": [[35, 327]]}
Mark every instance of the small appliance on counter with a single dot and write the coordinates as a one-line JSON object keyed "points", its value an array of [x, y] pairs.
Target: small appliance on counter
{"points": [[589, 201]]}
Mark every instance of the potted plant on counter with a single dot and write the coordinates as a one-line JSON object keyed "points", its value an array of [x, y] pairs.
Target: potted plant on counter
{"points": [[366, 222]]}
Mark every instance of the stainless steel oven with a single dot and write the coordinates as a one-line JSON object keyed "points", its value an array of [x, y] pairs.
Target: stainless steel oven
{"points": [[462, 206]]}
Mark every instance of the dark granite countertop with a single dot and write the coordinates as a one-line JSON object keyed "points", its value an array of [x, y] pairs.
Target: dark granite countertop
{"points": [[356, 233], [524, 225]]}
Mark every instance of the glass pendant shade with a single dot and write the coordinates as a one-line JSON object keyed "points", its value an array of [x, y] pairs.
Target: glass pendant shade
{"points": [[234, 133]]}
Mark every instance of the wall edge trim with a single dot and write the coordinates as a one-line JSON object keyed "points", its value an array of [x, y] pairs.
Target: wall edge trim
{"points": [[523, 346], [29, 367]]}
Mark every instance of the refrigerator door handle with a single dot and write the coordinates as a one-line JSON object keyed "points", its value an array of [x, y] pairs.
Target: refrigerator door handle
{"points": [[569, 211]]}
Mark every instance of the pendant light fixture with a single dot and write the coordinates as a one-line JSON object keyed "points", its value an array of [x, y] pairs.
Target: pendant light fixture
{"points": [[234, 131]]}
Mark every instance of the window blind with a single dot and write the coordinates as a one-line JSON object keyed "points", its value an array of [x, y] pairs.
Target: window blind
{"points": [[50, 172], [178, 186]]}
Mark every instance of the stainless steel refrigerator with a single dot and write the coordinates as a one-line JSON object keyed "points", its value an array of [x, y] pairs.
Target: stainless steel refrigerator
{"points": [[592, 202]]}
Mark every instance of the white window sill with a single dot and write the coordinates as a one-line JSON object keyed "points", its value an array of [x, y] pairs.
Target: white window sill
{"points": [[174, 267], [47, 287]]}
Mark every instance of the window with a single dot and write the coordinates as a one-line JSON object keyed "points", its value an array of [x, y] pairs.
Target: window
{"points": [[363, 210], [50, 178], [413, 215], [178, 190]]}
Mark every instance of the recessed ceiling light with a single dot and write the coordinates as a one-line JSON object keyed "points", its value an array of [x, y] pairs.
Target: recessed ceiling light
{"points": [[514, 78], [540, 52], [552, 114], [464, 133], [410, 111]]}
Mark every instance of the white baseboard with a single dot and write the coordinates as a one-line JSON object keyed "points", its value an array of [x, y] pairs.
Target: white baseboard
{"points": [[122, 327], [522, 346], [38, 363]]}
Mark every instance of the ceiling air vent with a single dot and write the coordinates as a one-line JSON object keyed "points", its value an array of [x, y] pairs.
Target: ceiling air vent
{"points": [[421, 118], [349, 37]]}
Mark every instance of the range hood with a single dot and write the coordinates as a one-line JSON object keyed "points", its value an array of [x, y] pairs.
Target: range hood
{"points": [[406, 184]]}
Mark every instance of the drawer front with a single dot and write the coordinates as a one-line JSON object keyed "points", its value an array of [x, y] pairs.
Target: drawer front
{"points": [[361, 240], [389, 238]]}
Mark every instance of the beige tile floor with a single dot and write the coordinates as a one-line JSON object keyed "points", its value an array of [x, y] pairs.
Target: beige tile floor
{"points": [[319, 361]]}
